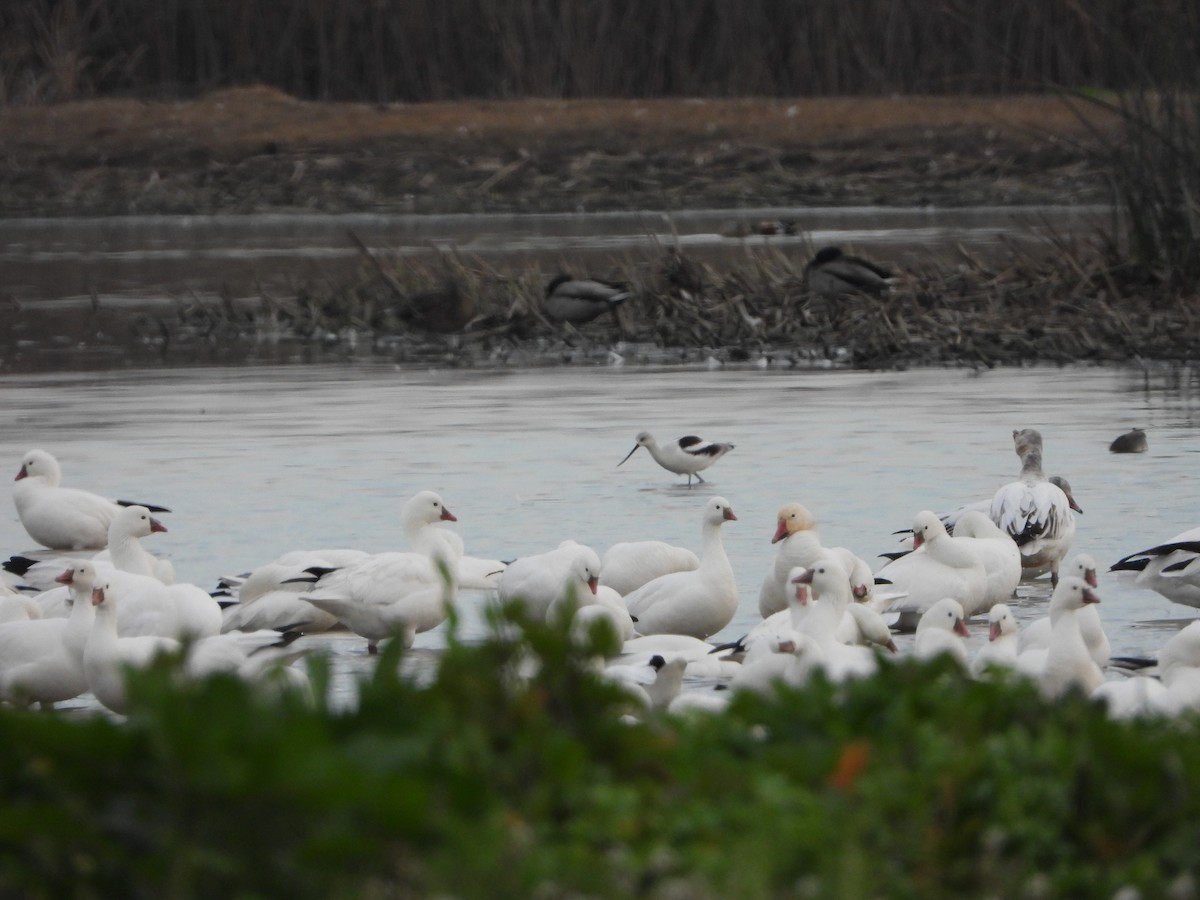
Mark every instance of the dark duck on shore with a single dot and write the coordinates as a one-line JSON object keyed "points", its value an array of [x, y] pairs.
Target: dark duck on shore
{"points": [[579, 300], [832, 273]]}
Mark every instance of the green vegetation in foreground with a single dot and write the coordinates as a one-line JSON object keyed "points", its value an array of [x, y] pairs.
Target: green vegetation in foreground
{"points": [[919, 783]]}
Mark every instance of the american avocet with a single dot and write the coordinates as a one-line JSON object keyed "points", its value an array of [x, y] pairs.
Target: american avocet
{"points": [[58, 517], [579, 300], [832, 273], [686, 456], [1035, 512]]}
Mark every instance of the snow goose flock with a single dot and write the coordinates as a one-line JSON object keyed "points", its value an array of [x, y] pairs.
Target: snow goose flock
{"points": [[101, 601]]}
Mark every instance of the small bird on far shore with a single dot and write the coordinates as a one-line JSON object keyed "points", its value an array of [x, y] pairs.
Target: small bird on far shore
{"points": [[832, 273], [686, 456]]}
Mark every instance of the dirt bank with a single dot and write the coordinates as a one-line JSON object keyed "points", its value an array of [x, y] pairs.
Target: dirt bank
{"points": [[255, 149]]}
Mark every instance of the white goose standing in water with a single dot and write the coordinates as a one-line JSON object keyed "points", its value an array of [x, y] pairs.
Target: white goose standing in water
{"points": [[700, 602], [1035, 512], [687, 456]]}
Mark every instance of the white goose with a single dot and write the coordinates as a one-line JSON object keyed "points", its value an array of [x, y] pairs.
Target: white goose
{"points": [[627, 565], [107, 656], [1000, 652], [997, 551], [583, 606], [789, 662], [940, 566], [799, 545], [1037, 633], [687, 456], [1172, 568], [543, 578], [250, 655], [388, 595], [700, 602], [419, 520], [652, 684], [941, 632], [41, 660], [125, 550], [831, 598], [16, 606], [1034, 512], [269, 597], [58, 517], [703, 659], [1067, 664], [1179, 667]]}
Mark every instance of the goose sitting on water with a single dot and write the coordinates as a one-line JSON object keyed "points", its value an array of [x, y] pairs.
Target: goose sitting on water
{"points": [[832, 273], [58, 517], [579, 300], [687, 456], [700, 602]]}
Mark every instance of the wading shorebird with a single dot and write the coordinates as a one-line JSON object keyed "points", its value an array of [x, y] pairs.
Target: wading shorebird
{"points": [[686, 456]]}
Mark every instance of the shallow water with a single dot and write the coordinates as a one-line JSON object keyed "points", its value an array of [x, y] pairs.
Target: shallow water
{"points": [[257, 461]]}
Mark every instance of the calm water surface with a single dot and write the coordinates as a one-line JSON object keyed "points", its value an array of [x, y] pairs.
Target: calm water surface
{"points": [[258, 461]]}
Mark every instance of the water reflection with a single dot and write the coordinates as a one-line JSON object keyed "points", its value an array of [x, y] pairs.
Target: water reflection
{"points": [[259, 461]]}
